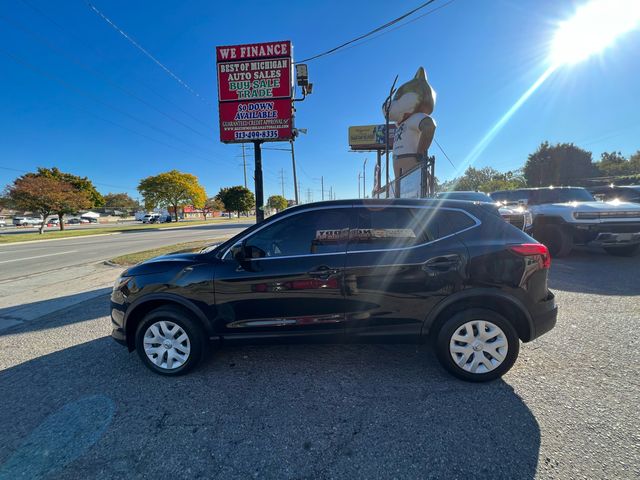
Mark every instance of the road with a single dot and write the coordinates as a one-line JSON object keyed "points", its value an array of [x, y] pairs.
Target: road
{"points": [[19, 260], [40, 277], [77, 405]]}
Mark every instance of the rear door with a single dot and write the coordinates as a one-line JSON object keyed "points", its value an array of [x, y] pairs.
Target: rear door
{"points": [[401, 261], [294, 285]]}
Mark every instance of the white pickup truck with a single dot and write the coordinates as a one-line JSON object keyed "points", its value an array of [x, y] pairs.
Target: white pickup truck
{"points": [[568, 216]]}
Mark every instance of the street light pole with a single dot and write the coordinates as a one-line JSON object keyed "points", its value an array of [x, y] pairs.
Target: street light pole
{"points": [[359, 177], [322, 186]]}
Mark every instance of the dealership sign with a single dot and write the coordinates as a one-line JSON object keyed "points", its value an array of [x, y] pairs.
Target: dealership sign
{"points": [[255, 92], [370, 137]]}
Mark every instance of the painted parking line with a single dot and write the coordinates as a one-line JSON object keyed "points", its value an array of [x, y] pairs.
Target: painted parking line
{"points": [[37, 256]]}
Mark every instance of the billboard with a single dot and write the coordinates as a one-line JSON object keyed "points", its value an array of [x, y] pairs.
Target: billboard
{"points": [[370, 137], [256, 120], [255, 89]]}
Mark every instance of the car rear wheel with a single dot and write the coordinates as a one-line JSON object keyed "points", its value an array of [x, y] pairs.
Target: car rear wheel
{"points": [[169, 341], [625, 251], [477, 345], [556, 238]]}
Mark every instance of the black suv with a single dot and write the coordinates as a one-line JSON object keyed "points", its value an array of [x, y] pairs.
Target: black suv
{"points": [[398, 270]]}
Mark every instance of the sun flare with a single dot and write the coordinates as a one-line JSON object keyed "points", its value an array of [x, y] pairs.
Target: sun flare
{"points": [[594, 27]]}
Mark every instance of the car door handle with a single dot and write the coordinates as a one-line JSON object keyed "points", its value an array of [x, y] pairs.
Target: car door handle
{"points": [[322, 272], [444, 263]]}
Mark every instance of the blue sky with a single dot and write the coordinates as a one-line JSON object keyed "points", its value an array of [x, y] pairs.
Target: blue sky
{"points": [[480, 57]]}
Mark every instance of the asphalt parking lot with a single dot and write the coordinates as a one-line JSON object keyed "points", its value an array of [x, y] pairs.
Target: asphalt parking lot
{"points": [[77, 405]]}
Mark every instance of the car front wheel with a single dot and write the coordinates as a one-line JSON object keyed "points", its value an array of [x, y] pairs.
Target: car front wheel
{"points": [[169, 341], [477, 345]]}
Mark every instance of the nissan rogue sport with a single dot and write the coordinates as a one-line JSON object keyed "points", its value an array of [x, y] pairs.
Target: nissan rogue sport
{"points": [[398, 270]]}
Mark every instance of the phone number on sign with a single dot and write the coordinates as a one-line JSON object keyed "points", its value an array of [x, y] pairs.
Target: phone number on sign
{"points": [[256, 135]]}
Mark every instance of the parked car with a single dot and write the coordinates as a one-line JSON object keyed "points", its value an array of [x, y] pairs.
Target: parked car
{"points": [[3, 222], [53, 221], [568, 216], [26, 221], [516, 215], [73, 221], [399, 270], [624, 193], [156, 218]]}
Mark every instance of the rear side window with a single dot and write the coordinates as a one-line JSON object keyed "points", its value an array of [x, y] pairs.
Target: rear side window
{"points": [[391, 227]]}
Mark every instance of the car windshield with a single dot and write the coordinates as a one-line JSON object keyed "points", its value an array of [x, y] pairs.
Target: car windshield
{"points": [[469, 196], [560, 195]]}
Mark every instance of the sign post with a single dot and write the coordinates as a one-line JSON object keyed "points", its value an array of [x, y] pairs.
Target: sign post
{"points": [[255, 90], [257, 151]]}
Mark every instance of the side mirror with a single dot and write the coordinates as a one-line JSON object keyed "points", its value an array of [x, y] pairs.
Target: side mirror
{"points": [[238, 252]]}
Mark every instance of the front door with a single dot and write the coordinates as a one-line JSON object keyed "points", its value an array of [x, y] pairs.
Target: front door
{"points": [[294, 282]]}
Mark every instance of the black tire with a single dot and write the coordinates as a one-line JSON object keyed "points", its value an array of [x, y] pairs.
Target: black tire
{"points": [[445, 333], [625, 251], [197, 341], [556, 238]]}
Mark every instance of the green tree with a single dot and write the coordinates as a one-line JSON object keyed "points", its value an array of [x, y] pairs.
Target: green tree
{"points": [[81, 184], [172, 189], [277, 202], [45, 195], [559, 164], [120, 201], [237, 199], [212, 205], [613, 164], [486, 179], [634, 161]]}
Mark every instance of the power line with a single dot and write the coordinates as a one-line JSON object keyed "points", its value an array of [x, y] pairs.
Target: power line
{"points": [[98, 74], [64, 84], [444, 153], [76, 89], [368, 34], [401, 25], [145, 52], [102, 55]]}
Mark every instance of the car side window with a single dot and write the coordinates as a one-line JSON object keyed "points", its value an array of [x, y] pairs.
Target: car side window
{"points": [[390, 228], [306, 233]]}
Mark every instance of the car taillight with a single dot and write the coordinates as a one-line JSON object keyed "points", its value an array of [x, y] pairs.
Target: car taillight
{"points": [[533, 249]]}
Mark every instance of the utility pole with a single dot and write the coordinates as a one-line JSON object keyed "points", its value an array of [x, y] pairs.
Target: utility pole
{"points": [[296, 189], [364, 179], [282, 181], [244, 166], [322, 186], [331, 192], [308, 195]]}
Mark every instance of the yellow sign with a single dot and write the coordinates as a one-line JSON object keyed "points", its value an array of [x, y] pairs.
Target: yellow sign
{"points": [[370, 137]]}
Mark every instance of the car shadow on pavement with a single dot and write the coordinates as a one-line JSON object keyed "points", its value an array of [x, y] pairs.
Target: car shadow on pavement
{"points": [[593, 271], [267, 411], [31, 315]]}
